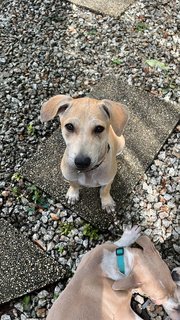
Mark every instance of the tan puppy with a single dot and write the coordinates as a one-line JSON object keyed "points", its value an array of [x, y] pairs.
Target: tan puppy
{"points": [[99, 291], [92, 130]]}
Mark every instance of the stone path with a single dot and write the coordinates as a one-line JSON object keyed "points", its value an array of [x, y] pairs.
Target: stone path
{"points": [[151, 122], [112, 8], [23, 266]]}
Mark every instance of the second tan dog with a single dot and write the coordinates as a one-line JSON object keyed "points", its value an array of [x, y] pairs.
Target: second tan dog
{"points": [[100, 291], [92, 130]]}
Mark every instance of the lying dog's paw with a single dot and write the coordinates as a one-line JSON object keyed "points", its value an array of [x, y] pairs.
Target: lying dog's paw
{"points": [[72, 195], [108, 204], [129, 236], [132, 233]]}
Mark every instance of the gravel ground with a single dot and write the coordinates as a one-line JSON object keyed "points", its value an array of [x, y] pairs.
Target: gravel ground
{"points": [[55, 47]]}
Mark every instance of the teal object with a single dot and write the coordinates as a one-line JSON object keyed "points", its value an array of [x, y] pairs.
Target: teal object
{"points": [[120, 259]]}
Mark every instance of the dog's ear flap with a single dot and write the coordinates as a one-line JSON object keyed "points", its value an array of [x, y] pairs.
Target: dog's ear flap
{"points": [[55, 105], [117, 114], [126, 283], [145, 243]]}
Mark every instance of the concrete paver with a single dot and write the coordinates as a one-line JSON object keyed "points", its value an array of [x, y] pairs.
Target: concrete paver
{"points": [[151, 122], [113, 7], [23, 266]]}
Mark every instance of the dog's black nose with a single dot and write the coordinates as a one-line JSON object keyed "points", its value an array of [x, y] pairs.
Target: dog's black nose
{"points": [[175, 275], [82, 162]]}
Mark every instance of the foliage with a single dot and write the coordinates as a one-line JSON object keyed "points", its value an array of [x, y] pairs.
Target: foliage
{"points": [[92, 32], [157, 64], [35, 193], [90, 232], [16, 192], [26, 302], [60, 249], [37, 197], [30, 129], [116, 61], [30, 210], [55, 296], [66, 227], [16, 177], [141, 26]]}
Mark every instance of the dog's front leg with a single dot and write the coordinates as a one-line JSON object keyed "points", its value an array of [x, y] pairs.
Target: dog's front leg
{"points": [[73, 193], [107, 201]]}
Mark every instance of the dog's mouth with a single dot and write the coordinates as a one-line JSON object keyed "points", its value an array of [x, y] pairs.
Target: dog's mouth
{"points": [[81, 170], [84, 168], [93, 167]]}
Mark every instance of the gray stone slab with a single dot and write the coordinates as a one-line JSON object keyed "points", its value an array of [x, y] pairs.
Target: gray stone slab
{"points": [[23, 266], [112, 7], [151, 122], [44, 171]]}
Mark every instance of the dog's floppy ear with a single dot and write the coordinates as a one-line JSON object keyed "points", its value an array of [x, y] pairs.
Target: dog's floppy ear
{"points": [[126, 283], [117, 114], [145, 243], [56, 104]]}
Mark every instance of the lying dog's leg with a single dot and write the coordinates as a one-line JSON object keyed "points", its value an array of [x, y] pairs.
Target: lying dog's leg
{"points": [[73, 193], [129, 236], [107, 201]]}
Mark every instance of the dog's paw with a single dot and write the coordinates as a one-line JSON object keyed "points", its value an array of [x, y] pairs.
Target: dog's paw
{"points": [[108, 204], [72, 196], [129, 236], [132, 233]]}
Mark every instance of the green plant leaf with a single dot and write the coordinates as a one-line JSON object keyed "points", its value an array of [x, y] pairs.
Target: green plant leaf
{"points": [[116, 61], [16, 192], [35, 194], [16, 177], [56, 295], [141, 26], [26, 300], [157, 64], [92, 32], [30, 129], [90, 232], [30, 210], [66, 227], [60, 249]]}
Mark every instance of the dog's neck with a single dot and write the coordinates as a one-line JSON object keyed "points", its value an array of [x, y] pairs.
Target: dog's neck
{"points": [[110, 269], [109, 264]]}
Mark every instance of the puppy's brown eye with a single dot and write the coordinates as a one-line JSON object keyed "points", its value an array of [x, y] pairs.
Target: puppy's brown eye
{"points": [[98, 129], [69, 127]]}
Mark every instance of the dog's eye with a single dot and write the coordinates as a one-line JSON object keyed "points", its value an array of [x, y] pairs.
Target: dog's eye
{"points": [[69, 127], [98, 129]]}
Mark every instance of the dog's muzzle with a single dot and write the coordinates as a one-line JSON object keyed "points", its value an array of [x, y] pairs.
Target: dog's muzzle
{"points": [[82, 162], [175, 275]]}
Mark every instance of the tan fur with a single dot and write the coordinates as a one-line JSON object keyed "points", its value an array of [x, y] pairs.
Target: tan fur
{"points": [[85, 114], [89, 295], [92, 294]]}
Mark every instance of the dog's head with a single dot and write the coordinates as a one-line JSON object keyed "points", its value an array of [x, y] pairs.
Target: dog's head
{"points": [[172, 306], [151, 276], [85, 125]]}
